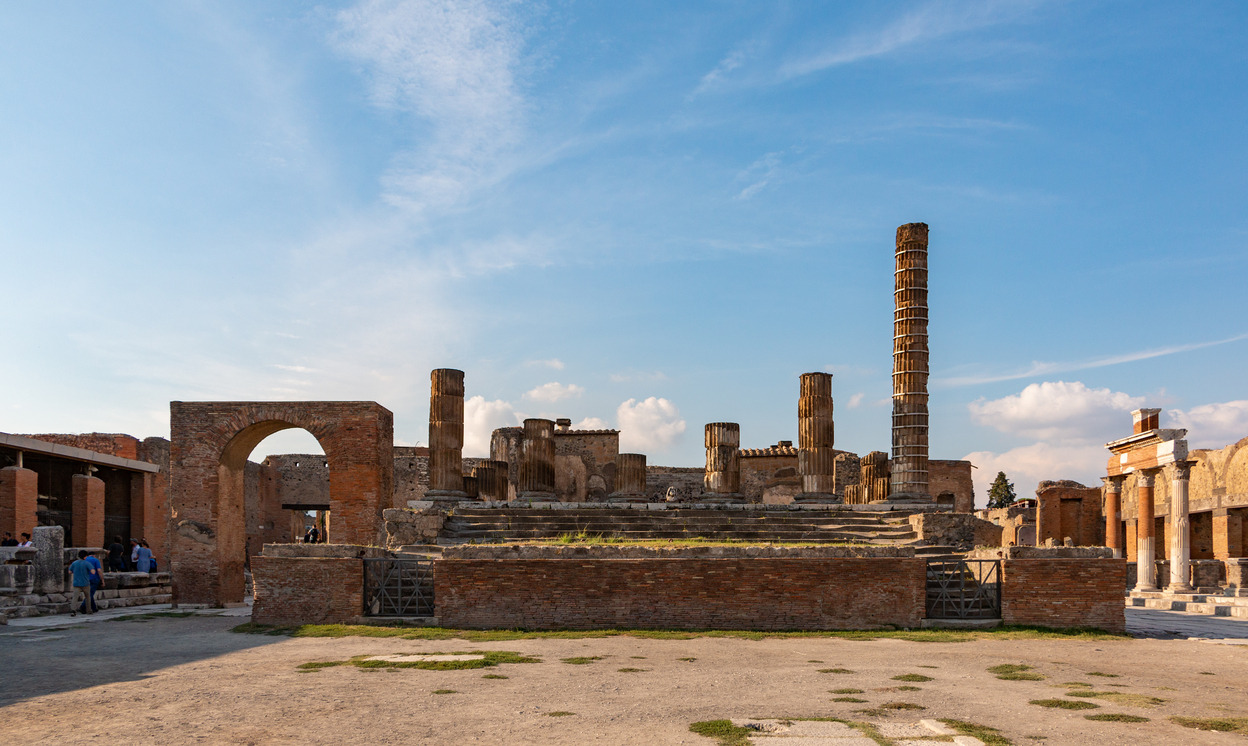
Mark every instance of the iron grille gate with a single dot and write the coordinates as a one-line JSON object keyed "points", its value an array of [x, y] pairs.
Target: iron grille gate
{"points": [[398, 587], [964, 589]]}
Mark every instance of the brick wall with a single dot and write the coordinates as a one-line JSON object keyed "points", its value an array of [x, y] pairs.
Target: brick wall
{"points": [[744, 593], [88, 512], [1068, 509], [307, 590], [19, 489], [1064, 593], [111, 444], [952, 477]]}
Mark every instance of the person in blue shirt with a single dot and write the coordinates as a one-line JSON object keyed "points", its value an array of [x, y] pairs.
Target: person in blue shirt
{"points": [[96, 580], [143, 558], [80, 576]]}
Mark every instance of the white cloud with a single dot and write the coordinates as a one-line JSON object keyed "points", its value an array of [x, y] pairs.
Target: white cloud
{"points": [[760, 173], [1212, 425], [657, 375], [649, 425], [1059, 411], [735, 59], [855, 401], [554, 362], [1026, 466], [554, 391], [592, 423], [481, 419], [452, 63]]}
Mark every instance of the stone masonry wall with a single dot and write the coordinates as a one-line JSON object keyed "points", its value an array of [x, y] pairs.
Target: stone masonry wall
{"points": [[952, 477], [688, 481], [307, 590], [748, 593], [1064, 593], [961, 530]]}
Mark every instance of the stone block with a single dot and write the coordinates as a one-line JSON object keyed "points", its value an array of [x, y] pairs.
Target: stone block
{"points": [[50, 560]]}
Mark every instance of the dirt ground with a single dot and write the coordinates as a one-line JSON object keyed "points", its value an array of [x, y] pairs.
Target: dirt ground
{"points": [[192, 681]]}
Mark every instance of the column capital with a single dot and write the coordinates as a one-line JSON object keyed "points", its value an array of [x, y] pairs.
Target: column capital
{"points": [[1147, 477], [1182, 470], [1113, 485]]}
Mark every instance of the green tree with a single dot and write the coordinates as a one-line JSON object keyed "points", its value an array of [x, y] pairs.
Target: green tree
{"points": [[1001, 493]]}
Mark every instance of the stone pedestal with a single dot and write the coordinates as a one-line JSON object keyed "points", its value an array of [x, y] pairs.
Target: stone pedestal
{"points": [[1113, 514], [491, 479], [50, 561], [19, 495], [1180, 529], [88, 511], [816, 458], [909, 479], [446, 435], [722, 480], [1236, 576], [537, 461], [1145, 546], [630, 478]]}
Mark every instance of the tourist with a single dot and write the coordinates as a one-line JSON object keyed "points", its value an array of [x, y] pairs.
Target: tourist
{"points": [[9, 541], [81, 571], [313, 535], [151, 556], [97, 579], [116, 555], [134, 553], [26, 542], [143, 558]]}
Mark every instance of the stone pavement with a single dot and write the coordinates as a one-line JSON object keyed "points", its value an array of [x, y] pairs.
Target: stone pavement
{"points": [[20, 626], [831, 733], [1179, 625]]}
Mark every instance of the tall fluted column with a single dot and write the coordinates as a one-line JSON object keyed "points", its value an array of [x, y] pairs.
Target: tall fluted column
{"points": [[1145, 531], [816, 459], [537, 461], [1180, 530], [723, 462], [446, 435], [491, 480], [1113, 514], [630, 478], [910, 367]]}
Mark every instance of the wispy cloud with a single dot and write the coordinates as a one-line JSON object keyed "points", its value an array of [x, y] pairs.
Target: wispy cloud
{"points": [[929, 21], [657, 375], [554, 362], [1044, 369], [554, 391], [735, 59], [760, 173]]}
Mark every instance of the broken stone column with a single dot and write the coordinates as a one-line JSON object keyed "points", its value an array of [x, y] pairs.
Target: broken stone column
{"points": [[910, 367], [1113, 514], [630, 478], [470, 487], [88, 511], [1180, 530], [816, 459], [491, 480], [723, 463], [848, 472], [1145, 532], [446, 435], [50, 561], [537, 461], [19, 495], [875, 480]]}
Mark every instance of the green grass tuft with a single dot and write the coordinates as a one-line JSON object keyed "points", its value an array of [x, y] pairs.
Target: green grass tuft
{"points": [[633, 670], [582, 660], [1065, 704], [845, 691], [990, 736], [848, 699], [1115, 717], [1106, 675], [912, 677], [835, 670], [1121, 698], [493, 676], [1009, 668], [1021, 677], [559, 714], [489, 659], [1224, 725], [687, 660], [727, 733], [444, 691]]}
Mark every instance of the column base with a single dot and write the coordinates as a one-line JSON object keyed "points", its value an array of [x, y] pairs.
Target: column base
{"points": [[1117, 553], [1173, 589], [627, 497], [1142, 588], [536, 497], [817, 498]]}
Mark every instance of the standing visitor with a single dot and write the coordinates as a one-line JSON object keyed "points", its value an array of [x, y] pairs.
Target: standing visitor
{"points": [[116, 555], [97, 579], [80, 571], [26, 542], [9, 541], [143, 559]]}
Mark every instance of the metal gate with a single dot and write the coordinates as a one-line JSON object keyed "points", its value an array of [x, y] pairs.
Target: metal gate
{"points": [[398, 587], [964, 589]]}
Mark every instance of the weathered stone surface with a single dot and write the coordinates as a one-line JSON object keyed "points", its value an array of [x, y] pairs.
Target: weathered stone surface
{"points": [[723, 465], [404, 527], [961, 530], [50, 562], [351, 551], [537, 460], [816, 458], [1041, 553], [446, 435], [909, 479]]}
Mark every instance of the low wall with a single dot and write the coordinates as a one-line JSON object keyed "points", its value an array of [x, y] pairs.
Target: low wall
{"points": [[757, 593], [307, 590], [1064, 593], [961, 530]]}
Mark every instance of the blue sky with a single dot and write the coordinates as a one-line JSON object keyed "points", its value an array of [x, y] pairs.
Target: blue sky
{"points": [[645, 216]]}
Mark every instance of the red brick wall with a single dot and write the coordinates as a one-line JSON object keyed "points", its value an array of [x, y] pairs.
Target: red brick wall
{"points": [[745, 593], [19, 494], [88, 511], [307, 590], [1064, 593], [111, 444]]}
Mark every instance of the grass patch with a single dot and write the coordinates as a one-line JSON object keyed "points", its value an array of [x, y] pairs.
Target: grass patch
{"points": [[1005, 668], [812, 661], [1065, 704], [632, 670], [727, 733], [559, 714], [1120, 698], [494, 676], [1115, 717], [687, 660], [638, 657], [909, 688], [912, 677], [444, 691], [845, 691], [902, 706], [581, 660], [926, 666], [1075, 683], [990, 736], [1021, 676], [835, 670], [1207, 673], [848, 699], [1105, 675], [489, 659], [1224, 725], [412, 632]]}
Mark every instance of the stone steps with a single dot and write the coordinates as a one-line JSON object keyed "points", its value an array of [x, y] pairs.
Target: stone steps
{"points": [[1206, 605]]}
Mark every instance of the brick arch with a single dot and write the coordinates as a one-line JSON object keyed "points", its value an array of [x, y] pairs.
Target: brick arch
{"points": [[210, 445]]}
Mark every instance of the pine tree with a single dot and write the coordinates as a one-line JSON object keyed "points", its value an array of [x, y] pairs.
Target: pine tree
{"points": [[1001, 493]]}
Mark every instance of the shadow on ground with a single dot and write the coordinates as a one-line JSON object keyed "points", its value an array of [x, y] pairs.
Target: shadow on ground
{"points": [[50, 661]]}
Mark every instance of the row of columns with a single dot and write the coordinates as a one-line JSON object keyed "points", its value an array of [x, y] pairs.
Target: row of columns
{"points": [[1146, 533]]}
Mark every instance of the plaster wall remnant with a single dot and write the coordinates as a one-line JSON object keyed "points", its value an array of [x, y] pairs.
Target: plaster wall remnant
{"points": [[446, 435], [630, 478], [723, 467], [816, 457], [909, 481], [537, 461]]}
